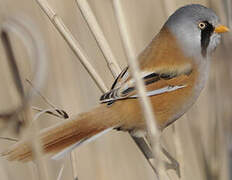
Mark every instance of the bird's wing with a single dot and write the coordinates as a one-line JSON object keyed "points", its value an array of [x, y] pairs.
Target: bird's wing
{"points": [[156, 82], [122, 77]]}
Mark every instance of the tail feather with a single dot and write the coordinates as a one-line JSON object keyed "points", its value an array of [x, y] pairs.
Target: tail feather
{"points": [[62, 153], [65, 136]]}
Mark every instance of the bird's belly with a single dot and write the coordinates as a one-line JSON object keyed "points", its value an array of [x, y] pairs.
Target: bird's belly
{"points": [[167, 107], [171, 106]]}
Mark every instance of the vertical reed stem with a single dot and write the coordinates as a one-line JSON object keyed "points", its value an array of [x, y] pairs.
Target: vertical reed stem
{"points": [[152, 129]]}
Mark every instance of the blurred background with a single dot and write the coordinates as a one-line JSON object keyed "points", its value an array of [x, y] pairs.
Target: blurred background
{"points": [[200, 141]]}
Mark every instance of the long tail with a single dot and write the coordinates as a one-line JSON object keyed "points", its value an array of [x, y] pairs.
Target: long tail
{"points": [[68, 133]]}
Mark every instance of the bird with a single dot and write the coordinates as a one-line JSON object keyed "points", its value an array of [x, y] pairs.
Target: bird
{"points": [[174, 67]]}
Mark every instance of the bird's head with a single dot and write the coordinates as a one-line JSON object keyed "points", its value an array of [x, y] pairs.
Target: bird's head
{"points": [[197, 30]]}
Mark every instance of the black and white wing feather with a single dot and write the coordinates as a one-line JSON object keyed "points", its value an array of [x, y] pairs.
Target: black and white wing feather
{"points": [[156, 82]]}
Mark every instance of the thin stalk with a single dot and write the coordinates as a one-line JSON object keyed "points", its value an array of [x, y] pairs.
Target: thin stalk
{"points": [[99, 36], [153, 132], [35, 49], [72, 42]]}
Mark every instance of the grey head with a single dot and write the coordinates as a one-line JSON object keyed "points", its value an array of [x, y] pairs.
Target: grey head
{"points": [[194, 28]]}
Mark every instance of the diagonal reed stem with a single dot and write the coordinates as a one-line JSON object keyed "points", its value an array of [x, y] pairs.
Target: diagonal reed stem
{"points": [[72, 42], [153, 132], [99, 36]]}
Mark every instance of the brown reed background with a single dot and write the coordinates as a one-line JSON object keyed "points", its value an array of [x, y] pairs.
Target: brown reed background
{"points": [[199, 140]]}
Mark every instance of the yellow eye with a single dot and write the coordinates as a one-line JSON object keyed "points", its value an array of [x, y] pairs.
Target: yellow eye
{"points": [[202, 25]]}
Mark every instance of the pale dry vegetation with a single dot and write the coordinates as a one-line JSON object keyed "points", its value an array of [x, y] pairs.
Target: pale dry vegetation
{"points": [[84, 53]]}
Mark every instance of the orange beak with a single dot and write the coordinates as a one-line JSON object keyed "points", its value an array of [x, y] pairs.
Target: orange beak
{"points": [[221, 29]]}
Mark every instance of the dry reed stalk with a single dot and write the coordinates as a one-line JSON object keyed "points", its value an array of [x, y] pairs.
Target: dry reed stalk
{"points": [[78, 51], [76, 48], [169, 8], [60, 173], [99, 36], [54, 112], [178, 146], [153, 132], [60, 113], [227, 6], [37, 151], [35, 48], [9, 139], [72, 42], [104, 46], [102, 43]]}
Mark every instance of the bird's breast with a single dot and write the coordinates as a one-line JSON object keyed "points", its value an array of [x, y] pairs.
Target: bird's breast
{"points": [[170, 106]]}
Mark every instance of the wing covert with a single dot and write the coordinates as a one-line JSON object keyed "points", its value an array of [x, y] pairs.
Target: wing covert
{"points": [[156, 82]]}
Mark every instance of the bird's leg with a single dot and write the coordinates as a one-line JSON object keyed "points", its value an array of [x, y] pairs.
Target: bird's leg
{"points": [[174, 163], [145, 148]]}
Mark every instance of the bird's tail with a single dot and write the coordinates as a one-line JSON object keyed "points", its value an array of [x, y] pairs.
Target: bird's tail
{"points": [[66, 135]]}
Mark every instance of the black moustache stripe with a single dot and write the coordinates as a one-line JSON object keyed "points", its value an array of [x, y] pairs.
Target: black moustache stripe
{"points": [[205, 37]]}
